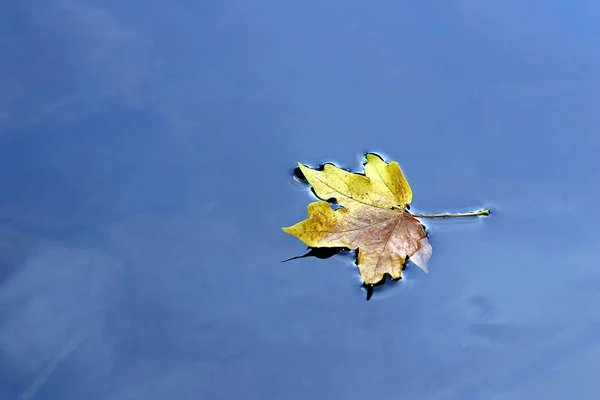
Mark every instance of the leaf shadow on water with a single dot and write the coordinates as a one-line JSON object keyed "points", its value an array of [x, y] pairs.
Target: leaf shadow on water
{"points": [[328, 252]]}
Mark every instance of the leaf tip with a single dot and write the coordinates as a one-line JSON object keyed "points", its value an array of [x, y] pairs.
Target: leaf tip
{"points": [[370, 155]]}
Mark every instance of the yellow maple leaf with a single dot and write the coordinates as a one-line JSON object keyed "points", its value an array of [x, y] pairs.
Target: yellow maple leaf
{"points": [[373, 218]]}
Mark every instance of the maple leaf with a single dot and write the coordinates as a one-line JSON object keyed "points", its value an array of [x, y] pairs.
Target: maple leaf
{"points": [[373, 218]]}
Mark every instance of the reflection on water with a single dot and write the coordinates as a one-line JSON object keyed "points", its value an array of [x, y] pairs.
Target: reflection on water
{"points": [[145, 160]]}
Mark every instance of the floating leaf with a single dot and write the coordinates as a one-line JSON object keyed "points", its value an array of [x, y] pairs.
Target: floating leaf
{"points": [[373, 217]]}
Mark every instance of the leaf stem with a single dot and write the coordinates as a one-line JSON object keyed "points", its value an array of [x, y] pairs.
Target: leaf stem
{"points": [[447, 215]]}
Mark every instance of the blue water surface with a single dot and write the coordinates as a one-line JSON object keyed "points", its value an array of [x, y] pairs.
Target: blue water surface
{"points": [[146, 157]]}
